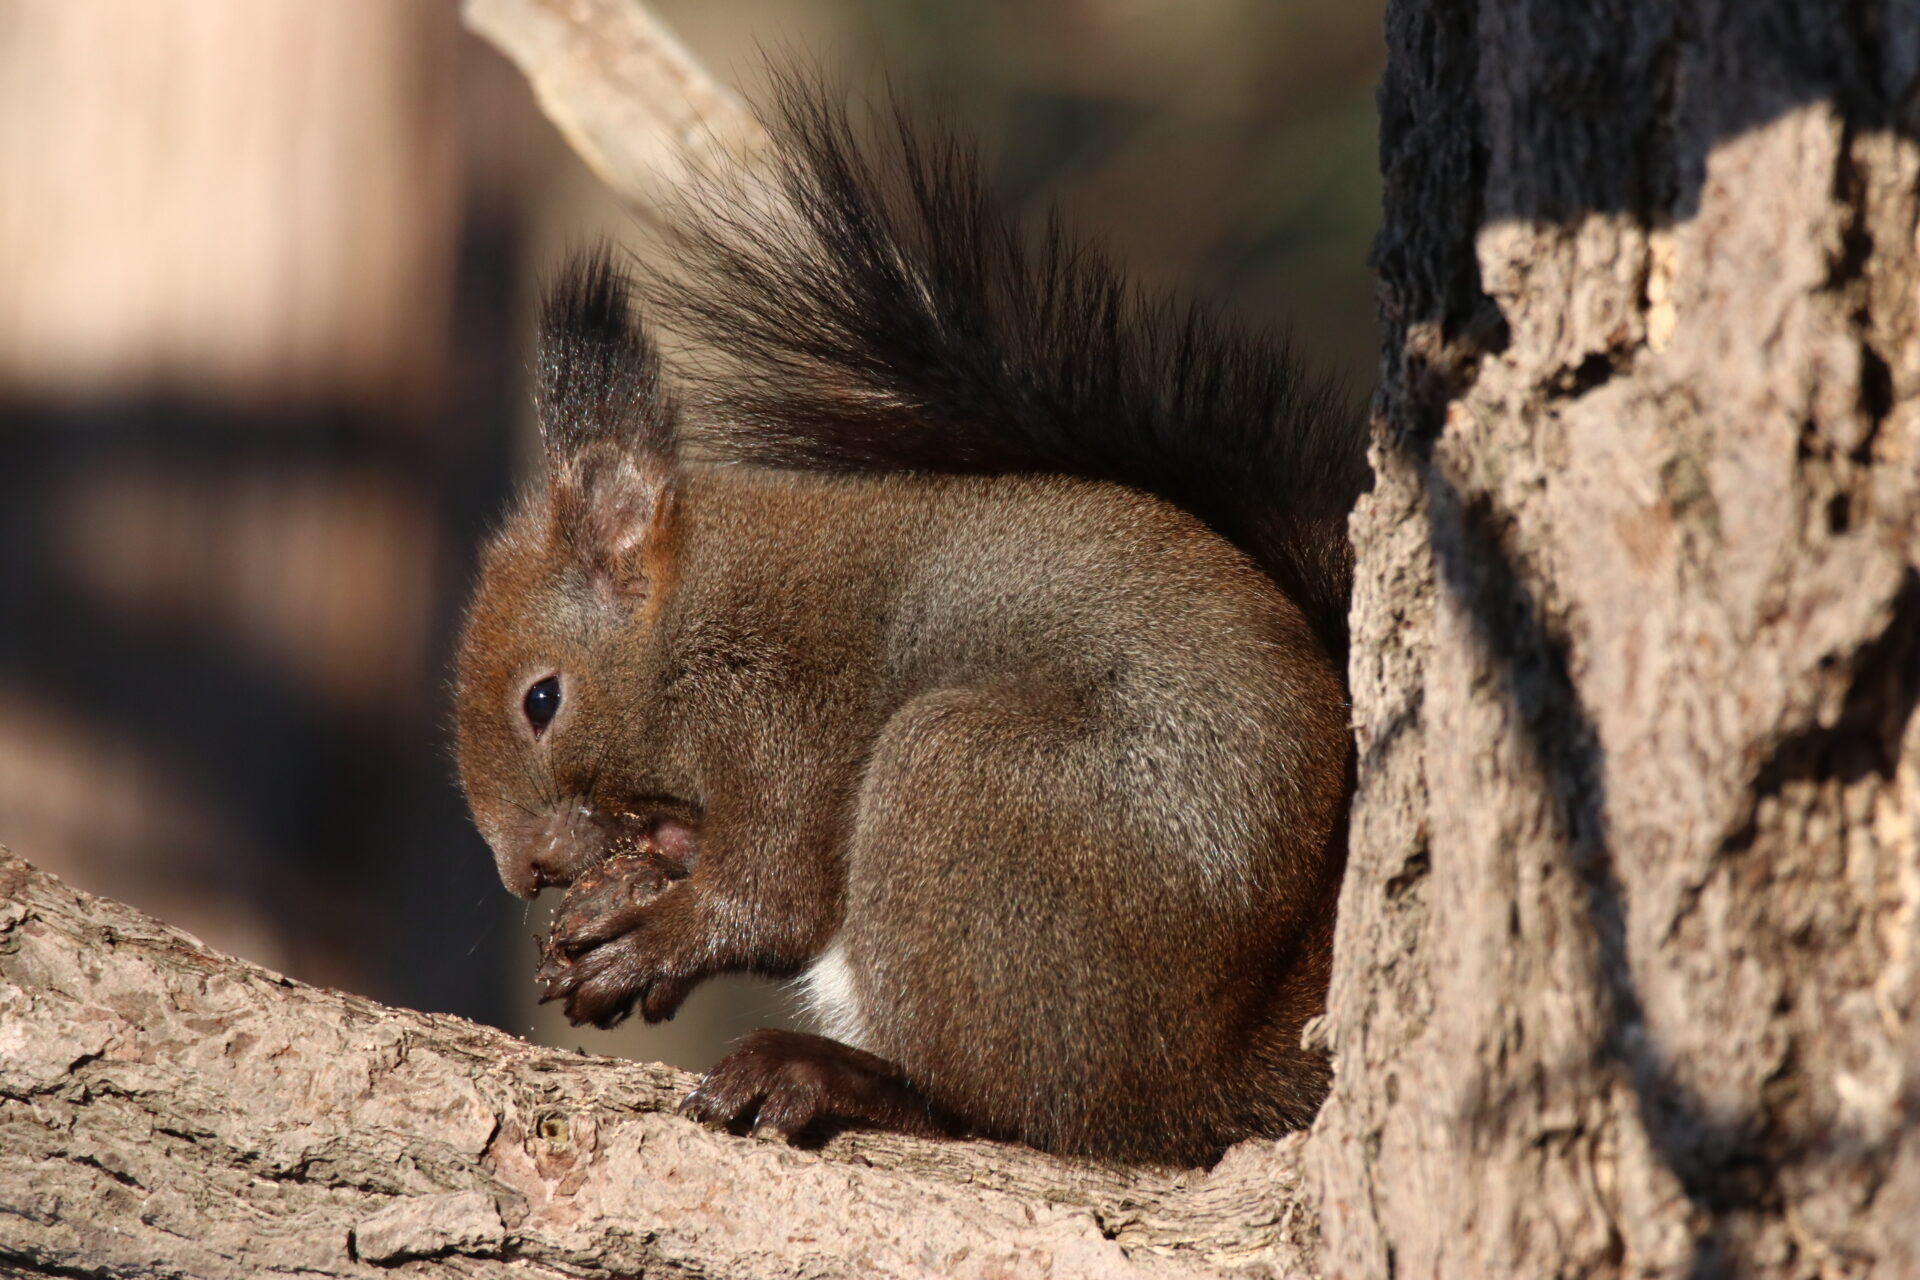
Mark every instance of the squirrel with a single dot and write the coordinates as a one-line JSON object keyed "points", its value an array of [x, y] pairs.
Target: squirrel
{"points": [[970, 645]]}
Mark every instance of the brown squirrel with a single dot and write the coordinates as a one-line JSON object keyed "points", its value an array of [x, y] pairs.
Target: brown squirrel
{"points": [[972, 645]]}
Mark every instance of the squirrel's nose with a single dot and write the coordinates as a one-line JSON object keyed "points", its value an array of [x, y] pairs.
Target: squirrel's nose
{"points": [[523, 876], [553, 853]]}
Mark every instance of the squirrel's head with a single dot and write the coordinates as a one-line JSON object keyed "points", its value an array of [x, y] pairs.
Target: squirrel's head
{"points": [[544, 698]]}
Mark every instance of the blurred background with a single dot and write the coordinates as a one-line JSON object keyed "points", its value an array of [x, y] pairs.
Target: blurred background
{"points": [[266, 277]]}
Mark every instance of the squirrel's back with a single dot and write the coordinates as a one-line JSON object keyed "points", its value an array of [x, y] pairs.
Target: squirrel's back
{"points": [[1089, 588]]}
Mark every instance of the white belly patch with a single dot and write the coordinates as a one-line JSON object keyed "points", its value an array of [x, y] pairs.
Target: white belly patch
{"points": [[828, 997]]}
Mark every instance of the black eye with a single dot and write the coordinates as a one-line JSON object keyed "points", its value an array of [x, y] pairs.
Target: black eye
{"points": [[542, 703]]}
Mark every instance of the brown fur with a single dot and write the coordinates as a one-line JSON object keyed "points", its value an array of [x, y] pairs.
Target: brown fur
{"points": [[974, 654], [1059, 766]]}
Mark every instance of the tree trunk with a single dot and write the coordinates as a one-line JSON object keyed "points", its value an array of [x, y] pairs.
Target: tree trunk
{"points": [[1626, 971]]}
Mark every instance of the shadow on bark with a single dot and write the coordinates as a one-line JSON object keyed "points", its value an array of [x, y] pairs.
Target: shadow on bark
{"points": [[1616, 116], [1580, 134], [1726, 1166]]}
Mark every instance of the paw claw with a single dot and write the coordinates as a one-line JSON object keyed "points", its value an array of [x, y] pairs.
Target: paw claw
{"points": [[703, 1108], [783, 1084]]}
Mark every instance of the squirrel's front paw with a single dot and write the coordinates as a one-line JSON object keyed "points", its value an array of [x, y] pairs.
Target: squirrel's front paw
{"points": [[788, 1082], [609, 951]]}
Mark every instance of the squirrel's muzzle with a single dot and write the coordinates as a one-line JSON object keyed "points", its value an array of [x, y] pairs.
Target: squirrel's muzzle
{"points": [[556, 848]]}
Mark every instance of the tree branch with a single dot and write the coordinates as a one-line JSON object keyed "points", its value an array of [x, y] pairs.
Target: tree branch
{"points": [[625, 93], [167, 1110]]}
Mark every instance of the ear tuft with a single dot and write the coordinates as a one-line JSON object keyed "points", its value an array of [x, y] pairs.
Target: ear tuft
{"points": [[607, 418], [599, 379]]}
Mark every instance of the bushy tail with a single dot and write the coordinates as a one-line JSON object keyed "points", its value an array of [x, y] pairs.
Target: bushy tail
{"points": [[899, 321]]}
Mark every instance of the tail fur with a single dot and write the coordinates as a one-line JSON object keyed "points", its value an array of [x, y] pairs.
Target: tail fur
{"points": [[902, 322]]}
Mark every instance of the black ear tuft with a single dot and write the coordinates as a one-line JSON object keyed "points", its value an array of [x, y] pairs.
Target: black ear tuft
{"points": [[608, 420], [599, 376]]}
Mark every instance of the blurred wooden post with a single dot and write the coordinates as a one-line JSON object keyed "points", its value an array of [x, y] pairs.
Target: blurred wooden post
{"points": [[226, 224], [229, 201]]}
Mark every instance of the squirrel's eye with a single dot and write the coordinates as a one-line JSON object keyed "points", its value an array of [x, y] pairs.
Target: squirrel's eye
{"points": [[542, 703]]}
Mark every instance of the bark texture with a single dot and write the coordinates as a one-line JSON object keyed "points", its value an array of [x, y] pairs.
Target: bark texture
{"points": [[1626, 973], [168, 1111]]}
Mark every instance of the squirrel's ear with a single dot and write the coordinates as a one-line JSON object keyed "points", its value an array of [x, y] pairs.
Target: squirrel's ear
{"points": [[608, 420]]}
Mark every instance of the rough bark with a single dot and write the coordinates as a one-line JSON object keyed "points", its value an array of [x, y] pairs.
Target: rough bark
{"points": [[1626, 973], [168, 1111]]}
